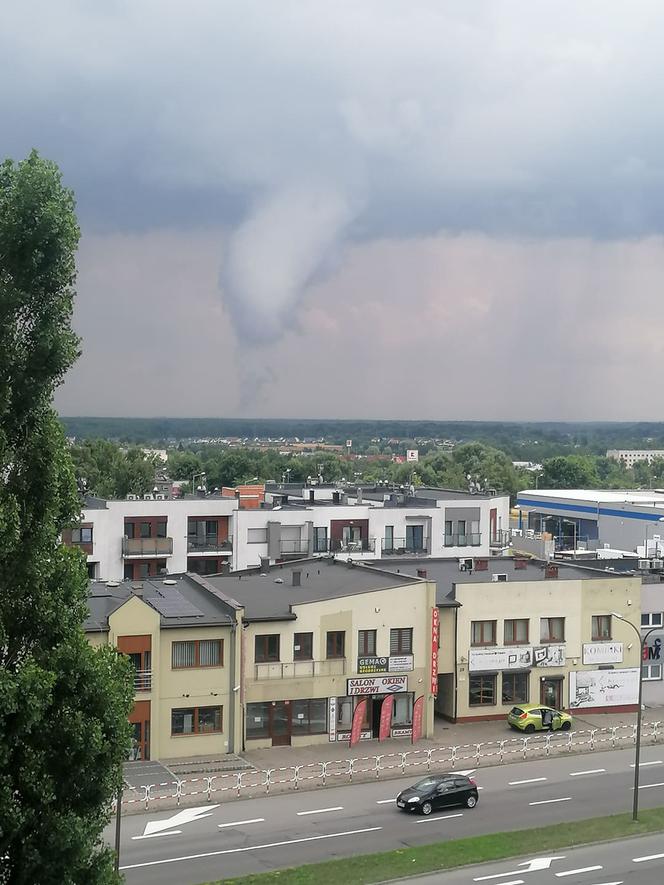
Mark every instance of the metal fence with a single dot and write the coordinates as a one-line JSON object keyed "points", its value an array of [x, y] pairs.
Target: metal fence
{"points": [[254, 782]]}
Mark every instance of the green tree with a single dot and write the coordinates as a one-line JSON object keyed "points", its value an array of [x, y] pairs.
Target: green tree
{"points": [[63, 704], [569, 472]]}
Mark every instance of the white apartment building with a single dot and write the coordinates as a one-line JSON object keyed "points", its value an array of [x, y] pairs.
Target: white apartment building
{"points": [[629, 457]]}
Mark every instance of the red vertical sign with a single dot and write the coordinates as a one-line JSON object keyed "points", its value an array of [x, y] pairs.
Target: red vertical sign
{"points": [[418, 713], [358, 719], [435, 640], [386, 717]]}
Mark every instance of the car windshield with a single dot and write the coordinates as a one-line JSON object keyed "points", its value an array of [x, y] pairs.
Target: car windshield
{"points": [[516, 711], [427, 783]]}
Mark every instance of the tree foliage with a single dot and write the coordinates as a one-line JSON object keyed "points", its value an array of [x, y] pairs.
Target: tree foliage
{"points": [[107, 471], [63, 705]]}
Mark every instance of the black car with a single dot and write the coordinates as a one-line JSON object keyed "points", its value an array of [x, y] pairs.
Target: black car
{"points": [[439, 791]]}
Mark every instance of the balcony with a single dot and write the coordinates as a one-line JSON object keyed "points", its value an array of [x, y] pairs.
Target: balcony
{"points": [[364, 545], [500, 538], [300, 669], [470, 539], [137, 547], [142, 680], [294, 548], [209, 545], [402, 546]]}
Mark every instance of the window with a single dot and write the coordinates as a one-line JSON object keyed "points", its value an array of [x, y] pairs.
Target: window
{"points": [[258, 719], [145, 530], [414, 537], [196, 720], [81, 536], [161, 529], [481, 690], [401, 641], [651, 619], [483, 633], [197, 653], [552, 629], [266, 648], [389, 537], [516, 631], [601, 627], [515, 688], [461, 531], [309, 716], [651, 672], [320, 539], [303, 646], [366, 643], [256, 536], [336, 644], [129, 529]]}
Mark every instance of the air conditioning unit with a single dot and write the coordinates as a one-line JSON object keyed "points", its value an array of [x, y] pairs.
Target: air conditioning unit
{"points": [[643, 564], [498, 578], [132, 497], [160, 497], [148, 497], [465, 565]]}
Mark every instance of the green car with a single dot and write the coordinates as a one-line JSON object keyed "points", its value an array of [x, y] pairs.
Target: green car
{"points": [[533, 717]]}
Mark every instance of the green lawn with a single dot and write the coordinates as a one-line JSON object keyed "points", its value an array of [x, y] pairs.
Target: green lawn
{"points": [[371, 868]]}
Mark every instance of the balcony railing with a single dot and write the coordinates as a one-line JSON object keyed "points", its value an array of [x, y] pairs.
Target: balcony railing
{"points": [[400, 546], [142, 680], [500, 538], [300, 669], [147, 547], [469, 539], [290, 548], [209, 545], [364, 545]]}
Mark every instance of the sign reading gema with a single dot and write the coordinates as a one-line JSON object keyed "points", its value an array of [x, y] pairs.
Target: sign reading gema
{"points": [[372, 665], [377, 685]]}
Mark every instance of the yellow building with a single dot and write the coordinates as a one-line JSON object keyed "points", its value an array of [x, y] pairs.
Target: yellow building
{"points": [[321, 637], [182, 637]]}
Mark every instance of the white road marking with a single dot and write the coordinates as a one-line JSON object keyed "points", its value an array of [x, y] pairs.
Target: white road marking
{"points": [[590, 771], [385, 801], [537, 863], [185, 816], [643, 764], [531, 780], [154, 863], [648, 786], [549, 801], [155, 835], [580, 870], [321, 810], [240, 823], [429, 820], [466, 771], [647, 857]]}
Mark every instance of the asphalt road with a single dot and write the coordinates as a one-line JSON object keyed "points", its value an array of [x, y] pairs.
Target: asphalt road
{"points": [[628, 862], [211, 842]]}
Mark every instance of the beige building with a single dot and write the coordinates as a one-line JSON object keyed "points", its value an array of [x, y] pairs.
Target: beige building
{"points": [[319, 638], [182, 637]]}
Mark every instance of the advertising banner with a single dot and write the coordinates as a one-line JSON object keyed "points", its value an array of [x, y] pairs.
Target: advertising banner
{"points": [[372, 665], [358, 719], [603, 688], [435, 639], [513, 658], [418, 716], [385, 717], [332, 712], [602, 652], [376, 685], [549, 656], [400, 663]]}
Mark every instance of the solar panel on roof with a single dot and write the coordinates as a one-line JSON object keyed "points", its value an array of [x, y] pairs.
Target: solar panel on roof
{"points": [[174, 605]]}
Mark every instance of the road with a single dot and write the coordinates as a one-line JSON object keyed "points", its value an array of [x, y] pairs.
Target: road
{"points": [[211, 842], [627, 862]]}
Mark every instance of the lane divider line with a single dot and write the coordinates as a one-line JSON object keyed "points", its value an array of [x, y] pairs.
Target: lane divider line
{"points": [[648, 786], [644, 764], [430, 820], [384, 801], [321, 810], [590, 771], [155, 835], [550, 801], [240, 823], [580, 870], [531, 780], [647, 857]]}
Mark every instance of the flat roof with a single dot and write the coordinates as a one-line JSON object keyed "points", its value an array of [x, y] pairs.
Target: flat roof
{"points": [[595, 496], [270, 595]]}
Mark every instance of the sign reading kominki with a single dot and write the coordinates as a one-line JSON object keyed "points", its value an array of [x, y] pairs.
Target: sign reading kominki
{"points": [[358, 719], [435, 640], [418, 716]]}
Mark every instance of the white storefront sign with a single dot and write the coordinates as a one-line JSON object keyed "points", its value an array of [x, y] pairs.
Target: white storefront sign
{"points": [[332, 713], [549, 656], [602, 652], [603, 688], [400, 663], [516, 658], [402, 732], [377, 685]]}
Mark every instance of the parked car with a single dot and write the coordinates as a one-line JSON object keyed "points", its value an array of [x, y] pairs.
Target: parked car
{"points": [[536, 717], [439, 791]]}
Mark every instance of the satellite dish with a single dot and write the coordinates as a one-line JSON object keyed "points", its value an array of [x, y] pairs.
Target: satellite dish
{"points": [[169, 581], [112, 584]]}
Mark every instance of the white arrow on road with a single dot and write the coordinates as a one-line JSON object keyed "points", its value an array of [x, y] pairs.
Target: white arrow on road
{"points": [[531, 866], [186, 816]]}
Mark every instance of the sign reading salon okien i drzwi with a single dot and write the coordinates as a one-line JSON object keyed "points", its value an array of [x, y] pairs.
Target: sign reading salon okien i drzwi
{"points": [[435, 640], [376, 685]]}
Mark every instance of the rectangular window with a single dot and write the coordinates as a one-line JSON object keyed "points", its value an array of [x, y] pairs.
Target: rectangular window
{"points": [[146, 530], [256, 536], [601, 627], [303, 647], [461, 531], [481, 690], [258, 719], [515, 688], [196, 720], [552, 629], [81, 536], [483, 633], [401, 641], [143, 570], [211, 528], [161, 529], [366, 643], [320, 539], [197, 653], [389, 537], [309, 716], [129, 529], [336, 644], [651, 672], [266, 648], [651, 619], [516, 631]]}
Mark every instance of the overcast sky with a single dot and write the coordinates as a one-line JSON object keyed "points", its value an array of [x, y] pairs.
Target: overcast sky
{"points": [[359, 208]]}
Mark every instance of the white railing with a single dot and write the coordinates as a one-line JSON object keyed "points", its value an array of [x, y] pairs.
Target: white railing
{"points": [[388, 765]]}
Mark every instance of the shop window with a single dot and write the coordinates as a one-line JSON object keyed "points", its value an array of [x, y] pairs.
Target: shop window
{"points": [[516, 631], [309, 716], [516, 688], [482, 690], [303, 646], [258, 720], [401, 641], [366, 643], [336, 644], [402, 712], [483, 633], [601, 627], [552, 629], [196, 720], [266, 648]]}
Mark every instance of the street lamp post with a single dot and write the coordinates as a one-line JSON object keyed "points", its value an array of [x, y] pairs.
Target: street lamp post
{"points": [[193, 481], [637, 753]]}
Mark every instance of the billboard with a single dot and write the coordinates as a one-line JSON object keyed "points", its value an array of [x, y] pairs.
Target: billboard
{"points": [[602, 652], [513, 658], [412, 455], [376, 685], [603, 688]]}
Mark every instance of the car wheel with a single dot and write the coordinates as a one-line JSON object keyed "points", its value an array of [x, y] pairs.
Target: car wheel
{"points": [[566, 726], [427, 808], [529, 729], [471, 802]]}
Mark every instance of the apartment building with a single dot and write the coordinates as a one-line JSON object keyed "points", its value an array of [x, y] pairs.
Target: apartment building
{"points": [[319, 637], [182, 637], [515, 630], [630, 457], [144, 538]]}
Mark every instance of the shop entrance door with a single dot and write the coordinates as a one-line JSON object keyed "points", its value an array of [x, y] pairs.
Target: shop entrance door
{"points": [[551, 693], [280, 724], [376, 704], [140, 725]]}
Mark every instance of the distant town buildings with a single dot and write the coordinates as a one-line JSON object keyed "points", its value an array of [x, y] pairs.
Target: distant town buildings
{"points": [[629, 457]]}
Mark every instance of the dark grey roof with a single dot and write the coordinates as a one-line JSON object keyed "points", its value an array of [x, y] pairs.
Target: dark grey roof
{"points": [[180, 600], [269, 596], [92, 503], [447, 572]]}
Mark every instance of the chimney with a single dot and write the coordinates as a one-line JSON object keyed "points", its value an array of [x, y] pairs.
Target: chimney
{"points": [[336, 497], [200, 491], [550, 571], [421, 573], [297, 578], [358, 499], [312, 495], [265, 564]]}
